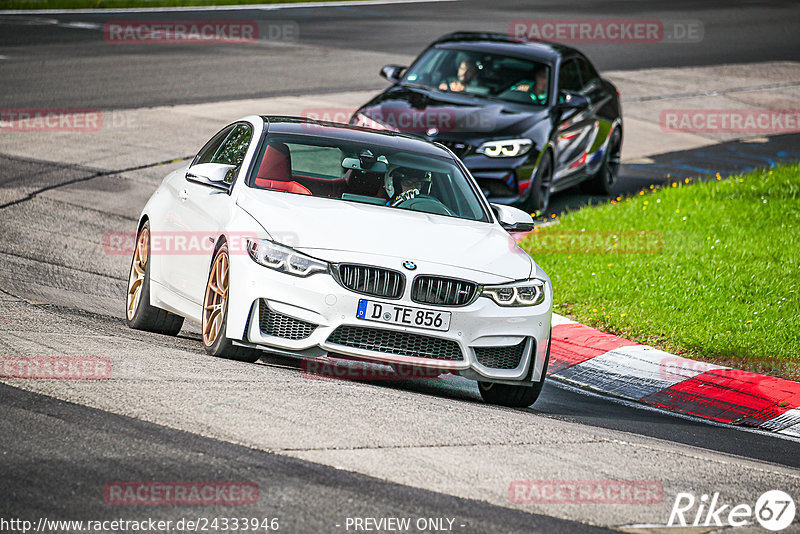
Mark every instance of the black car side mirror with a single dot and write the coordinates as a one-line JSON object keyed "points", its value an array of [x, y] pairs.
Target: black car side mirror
{"points": [[569, 100], [392, 72]]}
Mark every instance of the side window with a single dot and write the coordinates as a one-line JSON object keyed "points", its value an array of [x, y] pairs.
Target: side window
{"points": [[233, 149], [588, 74], [569, 78], [207, 153]]}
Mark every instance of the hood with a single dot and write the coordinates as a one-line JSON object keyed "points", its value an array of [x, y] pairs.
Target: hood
{"points": [[338, 230], [413, 110]]}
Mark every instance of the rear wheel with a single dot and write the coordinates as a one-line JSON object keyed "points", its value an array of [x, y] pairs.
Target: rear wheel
{"points": [[215, 313], [139, 314], [514, 396], [539, 196], [603, 181]]}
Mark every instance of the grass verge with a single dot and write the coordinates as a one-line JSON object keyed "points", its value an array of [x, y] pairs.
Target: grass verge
{"points": [[708, 270], [108, 4]]}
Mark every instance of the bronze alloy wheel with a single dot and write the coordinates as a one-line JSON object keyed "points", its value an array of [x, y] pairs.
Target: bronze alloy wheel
{"points": [[216, 295], [138, 269]]}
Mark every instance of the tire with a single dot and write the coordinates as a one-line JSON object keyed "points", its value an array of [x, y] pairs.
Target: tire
{"points": [[215, 313], [539, 195], [603, 181], [514, 396], [139, 314]]}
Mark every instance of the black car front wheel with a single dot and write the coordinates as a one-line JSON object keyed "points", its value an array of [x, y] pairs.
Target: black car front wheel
{"points": [[602, 183], [539, 195]]}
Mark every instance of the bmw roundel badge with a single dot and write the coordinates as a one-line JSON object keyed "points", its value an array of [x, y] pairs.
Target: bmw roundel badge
{"points": [[410, 265]]}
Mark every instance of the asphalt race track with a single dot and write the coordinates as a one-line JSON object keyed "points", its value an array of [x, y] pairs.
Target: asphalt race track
{"points": [[320, 451]]}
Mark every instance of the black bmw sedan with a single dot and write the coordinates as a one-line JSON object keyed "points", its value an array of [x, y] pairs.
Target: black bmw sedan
{"points": [[528, 119]]}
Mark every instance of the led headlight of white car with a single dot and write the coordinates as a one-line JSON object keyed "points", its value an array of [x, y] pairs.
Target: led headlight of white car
{"points": [[505, 148], [525, 293], [283, 259]]}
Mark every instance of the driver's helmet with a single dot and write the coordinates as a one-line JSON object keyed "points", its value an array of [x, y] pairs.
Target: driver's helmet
{"points": [[414, 179]]}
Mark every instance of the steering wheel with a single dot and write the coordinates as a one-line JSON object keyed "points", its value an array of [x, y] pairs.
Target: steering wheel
{"points": [[427, 204]]}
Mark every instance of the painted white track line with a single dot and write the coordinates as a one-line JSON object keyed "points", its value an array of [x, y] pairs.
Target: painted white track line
{"points": [[239, 7]]}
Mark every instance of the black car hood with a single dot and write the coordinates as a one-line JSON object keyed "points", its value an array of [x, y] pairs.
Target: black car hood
{"points": [[420, 111]]}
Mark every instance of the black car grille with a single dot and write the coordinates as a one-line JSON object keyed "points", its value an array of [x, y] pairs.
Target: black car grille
{"points": [[279, 325], [494, 188], [375, 281], [398, 343], [458, 148], [500, 357], [442, 291]]}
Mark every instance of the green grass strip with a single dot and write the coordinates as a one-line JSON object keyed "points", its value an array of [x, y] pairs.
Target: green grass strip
{"points": [[709, 270]]}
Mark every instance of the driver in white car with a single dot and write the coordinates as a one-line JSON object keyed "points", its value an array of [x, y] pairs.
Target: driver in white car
{"points": [[405, 183]]}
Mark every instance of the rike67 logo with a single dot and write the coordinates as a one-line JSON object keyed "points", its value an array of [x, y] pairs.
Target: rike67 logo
{"points": [[774, 510]]}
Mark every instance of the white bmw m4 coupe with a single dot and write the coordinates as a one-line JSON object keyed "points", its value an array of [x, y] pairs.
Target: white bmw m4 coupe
{"points": [[322, 241]]}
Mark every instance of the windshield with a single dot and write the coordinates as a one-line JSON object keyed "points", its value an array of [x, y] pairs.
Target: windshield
{"points": [[367, 173], [481, 74]]}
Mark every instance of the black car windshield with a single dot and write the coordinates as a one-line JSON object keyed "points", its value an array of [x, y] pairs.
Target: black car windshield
{"points": [[353, 171], [481, 74]]}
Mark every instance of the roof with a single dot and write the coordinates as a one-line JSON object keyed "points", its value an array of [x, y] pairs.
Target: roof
{"points": [[305, 126], [503, 43]]}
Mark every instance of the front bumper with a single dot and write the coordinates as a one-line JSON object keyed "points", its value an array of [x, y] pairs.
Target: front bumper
{"points": [[319, 300], [502, 180]]}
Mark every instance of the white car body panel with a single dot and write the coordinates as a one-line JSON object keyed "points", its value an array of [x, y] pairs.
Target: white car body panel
{"points": [[339, 231]]}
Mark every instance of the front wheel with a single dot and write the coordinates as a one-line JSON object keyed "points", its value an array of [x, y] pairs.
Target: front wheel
{"points": [[215, 313], [514, 396], [606, 177], [539, 194]]}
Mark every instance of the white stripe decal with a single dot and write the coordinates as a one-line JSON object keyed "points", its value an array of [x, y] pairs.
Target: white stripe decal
{"points": [[560, 319], [787, 423], [634, 372]]}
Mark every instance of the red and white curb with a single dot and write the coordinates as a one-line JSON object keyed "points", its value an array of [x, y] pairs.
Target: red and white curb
{"points": [[613, 365]]}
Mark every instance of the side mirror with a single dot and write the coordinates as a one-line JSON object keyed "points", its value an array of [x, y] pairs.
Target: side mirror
{"points": [[215, 175], [513, 219], [568, 100], [392, 72]]}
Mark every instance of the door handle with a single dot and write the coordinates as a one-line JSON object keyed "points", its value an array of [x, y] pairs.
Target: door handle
{"points": [[183, 195]]}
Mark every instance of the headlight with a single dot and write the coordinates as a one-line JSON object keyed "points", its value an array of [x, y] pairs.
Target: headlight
{"points": [[505, 148], [283, 259], [527, 293]]}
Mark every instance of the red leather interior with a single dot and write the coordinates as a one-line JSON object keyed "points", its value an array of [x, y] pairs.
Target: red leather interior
{"points": [[324, 187], [275, 172]]}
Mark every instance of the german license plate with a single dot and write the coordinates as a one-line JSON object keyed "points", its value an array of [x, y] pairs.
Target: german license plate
{"points": [[381, 312]]}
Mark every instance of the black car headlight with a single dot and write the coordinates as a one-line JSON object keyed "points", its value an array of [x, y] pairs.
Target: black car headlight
{"points": [[525, 293], [505, 148], [284, 259]]}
